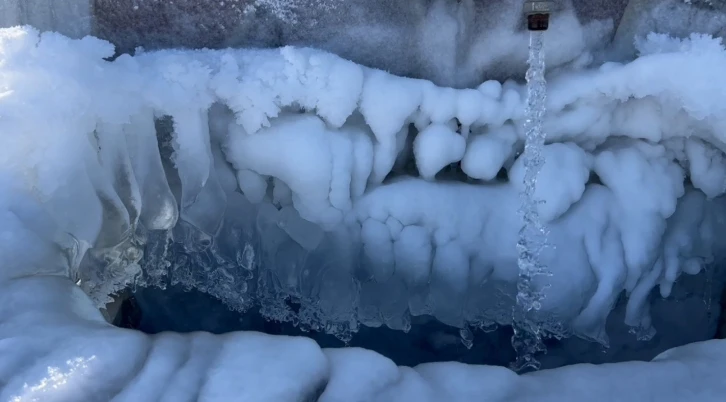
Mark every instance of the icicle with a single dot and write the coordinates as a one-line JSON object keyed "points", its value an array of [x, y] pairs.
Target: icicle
{"points": [[203, 199], [101, 167], [192, 153], [112, 264], [114, 157], [159, 209]]}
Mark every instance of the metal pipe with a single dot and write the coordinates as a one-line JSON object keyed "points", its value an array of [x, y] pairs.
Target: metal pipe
{"points": [[538, 14]]}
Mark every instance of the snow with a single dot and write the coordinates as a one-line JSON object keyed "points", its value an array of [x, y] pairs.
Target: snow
{"points": [[436, 147], [487, 152], [562, 190], [311, 142], [706, 167]]}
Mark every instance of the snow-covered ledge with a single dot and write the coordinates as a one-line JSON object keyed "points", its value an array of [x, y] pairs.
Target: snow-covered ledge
{"points": [[56, 346], [80, 169]]}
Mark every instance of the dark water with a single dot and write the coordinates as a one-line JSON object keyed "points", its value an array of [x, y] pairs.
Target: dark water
{"points": [[691, 314]]}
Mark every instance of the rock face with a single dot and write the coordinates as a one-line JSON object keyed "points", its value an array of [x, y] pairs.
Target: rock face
{"points": [[68, 17], [674, 17], [161, 24], [450, 42]]}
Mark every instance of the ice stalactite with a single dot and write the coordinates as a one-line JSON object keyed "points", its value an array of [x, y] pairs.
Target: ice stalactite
{"points": [[527, 338]]}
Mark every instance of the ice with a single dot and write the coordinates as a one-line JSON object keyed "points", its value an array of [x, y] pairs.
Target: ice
{"points": [[487, 152], [307, 162], [305, 233], [386, 104], [449, 279], [706, 167], [555, 193], [352, 378], [436, 147], [663, 177], [298, 197], [158, 205], [121, 195], [413, 251], [312, 150]]}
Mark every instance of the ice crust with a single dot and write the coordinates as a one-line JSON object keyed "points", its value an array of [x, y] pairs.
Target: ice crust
{"points": [[309, 139]]}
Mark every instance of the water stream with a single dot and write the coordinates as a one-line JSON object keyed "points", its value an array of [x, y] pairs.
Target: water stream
{"points": [[527, 338]]}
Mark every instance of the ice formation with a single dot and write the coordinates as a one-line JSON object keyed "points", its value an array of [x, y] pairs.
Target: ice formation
{"points": [[282, 176], [309, 139]]}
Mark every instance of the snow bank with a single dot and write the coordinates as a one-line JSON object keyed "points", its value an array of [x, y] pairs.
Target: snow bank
{"points": [[311, 140]]}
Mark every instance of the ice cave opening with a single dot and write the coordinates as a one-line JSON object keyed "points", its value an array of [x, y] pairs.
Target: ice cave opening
{"points": [[320, 200]]}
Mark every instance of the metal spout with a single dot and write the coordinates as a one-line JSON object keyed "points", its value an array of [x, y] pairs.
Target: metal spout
{"points": [[538, 14]]}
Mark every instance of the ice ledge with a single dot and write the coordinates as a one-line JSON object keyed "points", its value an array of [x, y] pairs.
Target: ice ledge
{"points": [[57, 347]]}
